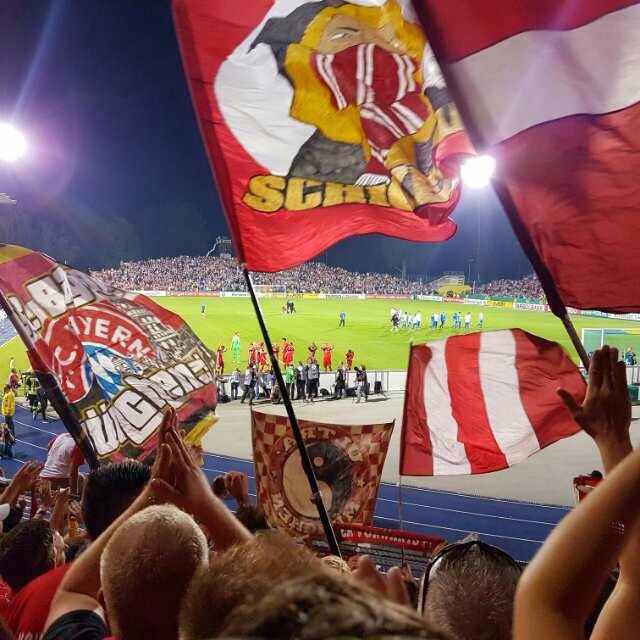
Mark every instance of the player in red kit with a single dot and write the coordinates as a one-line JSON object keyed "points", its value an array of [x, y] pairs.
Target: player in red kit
{"points": [[287, 353], [262, 357], [326, 356], [276, 351], [220, 359], [349, 358]]}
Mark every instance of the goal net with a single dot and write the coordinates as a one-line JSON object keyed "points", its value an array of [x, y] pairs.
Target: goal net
{"points": [[621, 339]]}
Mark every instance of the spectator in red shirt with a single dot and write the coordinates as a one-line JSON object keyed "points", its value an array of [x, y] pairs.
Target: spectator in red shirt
{"points": [[143, 562], [29, 550]]}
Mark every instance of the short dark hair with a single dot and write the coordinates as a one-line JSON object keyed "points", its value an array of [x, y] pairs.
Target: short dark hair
{"points": [[109, 490], [252, 517], [324, 605], [471, 594], [26, 552]]}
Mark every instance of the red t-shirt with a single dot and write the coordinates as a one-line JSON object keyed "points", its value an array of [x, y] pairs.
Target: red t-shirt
{"points": [[5, 599], [30, 606]]}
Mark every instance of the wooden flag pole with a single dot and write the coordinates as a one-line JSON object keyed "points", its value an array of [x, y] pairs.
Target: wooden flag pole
{"points": [[53, 391], [316, 497]]}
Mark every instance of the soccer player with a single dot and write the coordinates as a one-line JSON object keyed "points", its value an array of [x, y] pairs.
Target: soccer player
{"points": [[417, 320], [312, 348], [480, 319], [287, 352], [253, 354], [202, 308], [349, 355], [235, 347], [276, 351], [630, 357], [434, 320], [467, 321], [443, 319], [326, 356], [220, 359], [342, 316], [262, 358]]}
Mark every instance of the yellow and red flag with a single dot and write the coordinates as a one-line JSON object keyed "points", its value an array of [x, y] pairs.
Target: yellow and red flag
{"points": [[321, 119]]}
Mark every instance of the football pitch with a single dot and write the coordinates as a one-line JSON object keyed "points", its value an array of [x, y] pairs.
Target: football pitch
{"points": [[367, 329]]}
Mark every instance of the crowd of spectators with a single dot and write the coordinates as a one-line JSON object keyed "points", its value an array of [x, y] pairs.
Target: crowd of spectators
{"points": [[528, 287], [222, 273], [159, 555]]}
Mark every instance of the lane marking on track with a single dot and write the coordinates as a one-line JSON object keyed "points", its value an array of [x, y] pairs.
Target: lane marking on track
{"points": [[29, 444], [467, 513], [408, 487], [466, 531], [31, 426]]}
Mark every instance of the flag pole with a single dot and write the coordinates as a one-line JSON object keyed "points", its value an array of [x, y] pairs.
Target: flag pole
{"points": [[554, 300], [52, 389], [316, 497]]}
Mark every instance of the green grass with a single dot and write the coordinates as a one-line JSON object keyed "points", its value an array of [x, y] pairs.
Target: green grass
{"points": [[367, 331]]}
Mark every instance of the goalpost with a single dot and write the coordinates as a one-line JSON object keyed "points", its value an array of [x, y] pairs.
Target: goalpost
{"points": [[621, 338]]}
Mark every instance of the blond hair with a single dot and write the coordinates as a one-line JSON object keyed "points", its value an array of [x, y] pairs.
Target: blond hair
{"points": [[145, 570]]}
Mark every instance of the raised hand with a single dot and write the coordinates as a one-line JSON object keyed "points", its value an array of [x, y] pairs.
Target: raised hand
{"points": [[606, 410], [605, 413], [237, 485], [27, 475], [391, 585]]}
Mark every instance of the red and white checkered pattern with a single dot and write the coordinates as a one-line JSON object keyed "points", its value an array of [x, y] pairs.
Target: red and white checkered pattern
{"points": [[365, 446]]}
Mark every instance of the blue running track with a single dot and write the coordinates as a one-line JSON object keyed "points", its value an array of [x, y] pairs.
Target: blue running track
{"points": [[517, 527]]}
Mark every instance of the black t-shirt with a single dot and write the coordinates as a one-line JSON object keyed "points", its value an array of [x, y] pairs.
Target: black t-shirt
{"points": [[77, 625]]}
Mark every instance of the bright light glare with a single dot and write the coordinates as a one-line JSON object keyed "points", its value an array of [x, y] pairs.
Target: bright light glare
{"points": [[13, 144], [477, 171]]}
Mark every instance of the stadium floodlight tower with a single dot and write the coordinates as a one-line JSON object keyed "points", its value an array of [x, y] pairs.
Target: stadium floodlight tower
{"points": [[13, 144], [13, 147], [476, 172], [222, 246]]}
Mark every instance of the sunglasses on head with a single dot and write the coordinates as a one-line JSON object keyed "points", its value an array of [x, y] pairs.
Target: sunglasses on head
{"points": [[460, 548]]}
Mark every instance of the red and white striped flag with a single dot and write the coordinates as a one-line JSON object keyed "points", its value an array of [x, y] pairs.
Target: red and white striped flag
{"points": [[484, 401], [551, 89]]}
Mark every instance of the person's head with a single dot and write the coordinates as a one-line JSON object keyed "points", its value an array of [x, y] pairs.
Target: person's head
{"points": [[244, 574], [145, 570], [468, 590], [30, 549], [252, 516], [109, 490], [7, 388], [323, 605]]}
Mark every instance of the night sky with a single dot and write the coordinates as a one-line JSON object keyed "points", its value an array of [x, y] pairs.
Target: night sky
{"points": [[116, 168]]}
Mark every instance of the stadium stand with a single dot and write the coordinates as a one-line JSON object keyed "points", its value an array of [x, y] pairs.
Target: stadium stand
{"points": [[221, 273], [6, 328]]}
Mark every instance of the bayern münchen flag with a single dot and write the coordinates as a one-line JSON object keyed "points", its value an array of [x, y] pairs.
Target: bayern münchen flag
{"points": [[484, 401]]}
